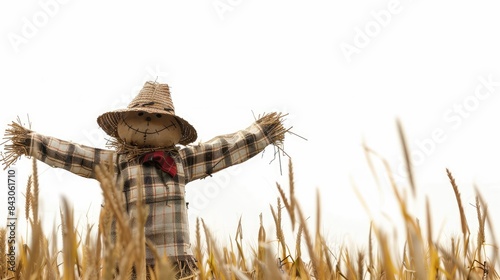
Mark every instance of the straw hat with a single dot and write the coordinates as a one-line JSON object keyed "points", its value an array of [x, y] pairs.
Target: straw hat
{"points": [[153, 98]]}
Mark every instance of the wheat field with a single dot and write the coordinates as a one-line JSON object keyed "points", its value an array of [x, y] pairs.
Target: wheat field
{"points": [[85, 256]]}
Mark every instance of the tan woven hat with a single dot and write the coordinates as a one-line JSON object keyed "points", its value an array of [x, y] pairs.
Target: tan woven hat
{"points": [[153, 98]]}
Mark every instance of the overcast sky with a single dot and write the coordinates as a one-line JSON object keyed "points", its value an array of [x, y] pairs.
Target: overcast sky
{"points": [[343, 71]]}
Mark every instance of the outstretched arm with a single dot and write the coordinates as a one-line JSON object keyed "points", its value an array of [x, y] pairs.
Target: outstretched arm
{"points": [[78, 159], [226, 150]]}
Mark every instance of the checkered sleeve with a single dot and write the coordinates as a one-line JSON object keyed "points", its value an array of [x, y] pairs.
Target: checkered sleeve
{"points": [[76, 158], [223, 151]]}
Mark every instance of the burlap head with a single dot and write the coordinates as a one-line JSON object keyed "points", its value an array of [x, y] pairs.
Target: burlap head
{"points": [[153, 98]]}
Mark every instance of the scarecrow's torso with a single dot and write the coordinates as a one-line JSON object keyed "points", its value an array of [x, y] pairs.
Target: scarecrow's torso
{"points": [[167, 222]]}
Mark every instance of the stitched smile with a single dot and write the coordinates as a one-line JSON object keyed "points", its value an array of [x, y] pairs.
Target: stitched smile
{"points": [[156, 131]]}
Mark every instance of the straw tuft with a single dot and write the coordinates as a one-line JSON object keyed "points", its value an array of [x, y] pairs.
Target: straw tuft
{"points": [[272, 125], [18, 136]]}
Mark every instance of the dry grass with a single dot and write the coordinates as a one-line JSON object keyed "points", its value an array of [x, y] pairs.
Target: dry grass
{"points": [[84, 256]]}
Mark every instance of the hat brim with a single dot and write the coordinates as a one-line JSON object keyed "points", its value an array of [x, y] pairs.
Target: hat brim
{"points": [[109, 123]]}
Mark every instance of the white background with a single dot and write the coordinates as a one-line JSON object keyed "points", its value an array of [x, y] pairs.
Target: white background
{"points": [[344, 71]]}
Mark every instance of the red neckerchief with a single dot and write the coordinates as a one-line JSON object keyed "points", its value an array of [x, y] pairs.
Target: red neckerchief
{"points": [[162, 160]]}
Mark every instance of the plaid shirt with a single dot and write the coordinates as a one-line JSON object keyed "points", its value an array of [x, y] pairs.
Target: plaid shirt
{"points": [[167, 224]]}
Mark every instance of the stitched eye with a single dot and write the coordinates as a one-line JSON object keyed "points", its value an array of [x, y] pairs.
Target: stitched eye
{"points": [[140, 114], [158, 115]]}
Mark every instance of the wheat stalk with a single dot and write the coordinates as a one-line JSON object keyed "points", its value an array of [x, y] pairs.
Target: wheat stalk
{"points": [[463, 219], [308, 239], [406, 153], [480, 234], [27, 205], [36, 191], [3, 256]]}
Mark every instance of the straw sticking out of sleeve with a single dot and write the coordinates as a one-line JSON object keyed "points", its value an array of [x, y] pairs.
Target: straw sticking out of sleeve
{"points": [[17, 135]]}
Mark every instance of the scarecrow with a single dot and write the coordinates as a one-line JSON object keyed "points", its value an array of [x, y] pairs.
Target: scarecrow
{"points": [[149, 139]]}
